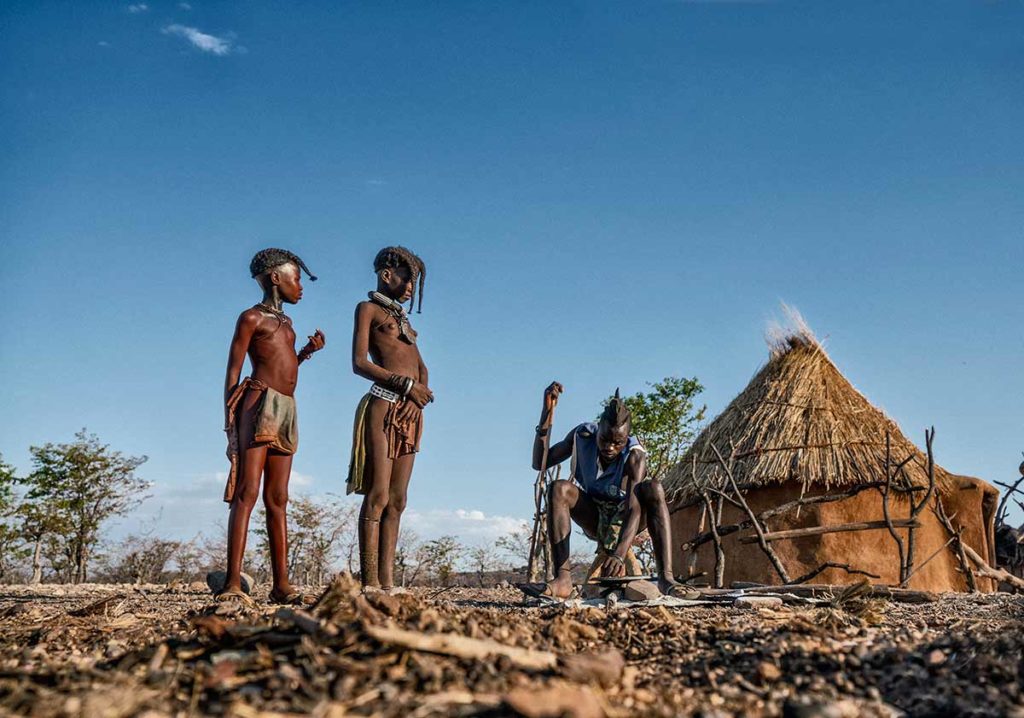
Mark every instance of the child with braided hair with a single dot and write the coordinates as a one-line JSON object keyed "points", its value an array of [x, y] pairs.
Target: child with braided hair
{"points": [[389, 419], [260, 418], [609, 495]]}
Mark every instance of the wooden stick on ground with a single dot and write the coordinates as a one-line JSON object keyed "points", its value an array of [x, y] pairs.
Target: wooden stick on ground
{"points": [[453, 644]]}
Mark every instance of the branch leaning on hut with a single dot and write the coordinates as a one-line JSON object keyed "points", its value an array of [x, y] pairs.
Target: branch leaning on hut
{"points": [[727, 468], [890, 475], [958, 544], [907, 569]]}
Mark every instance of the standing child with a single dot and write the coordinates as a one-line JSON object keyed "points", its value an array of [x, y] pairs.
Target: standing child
{"points": [[260, 418], [389, 419]]}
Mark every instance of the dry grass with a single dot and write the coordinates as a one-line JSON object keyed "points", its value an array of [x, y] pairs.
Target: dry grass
{"points": [[799, 419]]}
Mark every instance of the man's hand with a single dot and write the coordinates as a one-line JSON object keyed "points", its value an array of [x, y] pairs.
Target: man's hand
{"points": [[316, 343], [407, 413], [613, 567], [551, 395], [420, 395]]}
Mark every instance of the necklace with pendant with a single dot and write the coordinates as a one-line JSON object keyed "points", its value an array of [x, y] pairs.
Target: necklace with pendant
{"points": [[397, 311]]}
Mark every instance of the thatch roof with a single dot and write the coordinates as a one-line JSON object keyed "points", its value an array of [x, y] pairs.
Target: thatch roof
{"points": [[798, 420]]}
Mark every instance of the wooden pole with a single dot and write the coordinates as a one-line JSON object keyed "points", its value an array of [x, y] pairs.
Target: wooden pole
{"points": [[838, 528], [540, 509]]}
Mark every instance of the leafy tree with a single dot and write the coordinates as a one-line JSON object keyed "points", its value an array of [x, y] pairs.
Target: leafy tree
{"points": [[485, 559], [140, 559], [11, 539], [666, 420], [440, 556], [516, 544], [73, 489], [407, 554], [316, 529]]}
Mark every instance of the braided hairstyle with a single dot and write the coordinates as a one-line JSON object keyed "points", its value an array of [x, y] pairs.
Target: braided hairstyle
{"points": [[616, 413], [395, 257], [267, 259]]}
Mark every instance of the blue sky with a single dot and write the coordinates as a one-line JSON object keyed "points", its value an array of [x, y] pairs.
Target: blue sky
{"points": [[605, 193]]}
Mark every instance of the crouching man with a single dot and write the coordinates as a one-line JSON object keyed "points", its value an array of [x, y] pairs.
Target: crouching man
{"points": [[609, 495]]}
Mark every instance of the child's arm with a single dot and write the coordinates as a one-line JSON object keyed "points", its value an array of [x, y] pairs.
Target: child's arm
{"points": [[361, 364], [316, 343], [244, 329]]}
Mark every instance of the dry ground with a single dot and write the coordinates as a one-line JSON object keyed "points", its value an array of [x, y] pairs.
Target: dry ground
{"points": [[159, 651]]}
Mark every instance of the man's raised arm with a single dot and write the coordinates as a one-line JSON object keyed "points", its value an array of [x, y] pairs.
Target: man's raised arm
{"points": [[559, 452]]}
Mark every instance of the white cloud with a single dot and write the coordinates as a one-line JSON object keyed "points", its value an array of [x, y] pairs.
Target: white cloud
{"points": [[184, 6], [103, 43], [200, 40], [376, 182], [470, 526], [136, 8]]}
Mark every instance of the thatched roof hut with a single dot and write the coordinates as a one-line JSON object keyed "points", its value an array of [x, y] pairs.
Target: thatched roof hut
{"points": [[799, 419], [800, 430]]}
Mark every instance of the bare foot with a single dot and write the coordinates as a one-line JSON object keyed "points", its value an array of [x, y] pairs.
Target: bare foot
{"points": [[670, 587]]}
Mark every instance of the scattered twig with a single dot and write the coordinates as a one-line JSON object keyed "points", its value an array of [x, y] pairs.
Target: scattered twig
{"points": [[453, 644]]}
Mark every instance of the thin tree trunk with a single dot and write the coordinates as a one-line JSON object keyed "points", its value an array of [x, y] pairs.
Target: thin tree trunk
{"points": [[37, 563]]}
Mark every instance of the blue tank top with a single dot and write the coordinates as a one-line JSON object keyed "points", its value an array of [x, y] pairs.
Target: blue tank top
{"points": [[585, 469]]}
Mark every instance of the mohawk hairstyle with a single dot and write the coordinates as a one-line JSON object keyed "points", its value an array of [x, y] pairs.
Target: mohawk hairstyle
{"points": [[267, 259], [394, 257], [616, 413]]}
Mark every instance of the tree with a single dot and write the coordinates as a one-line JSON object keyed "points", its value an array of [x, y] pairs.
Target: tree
{"points": [[516, 545], [440, 557], [316, 528], [407, 553], [141, 559], [666, 421], [11, 539], [73, 489], [484, 559]]}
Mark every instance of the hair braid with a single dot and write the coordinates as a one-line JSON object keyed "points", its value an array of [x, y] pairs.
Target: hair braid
{"points": [[394, 257], [616, 413], [267, 259]]}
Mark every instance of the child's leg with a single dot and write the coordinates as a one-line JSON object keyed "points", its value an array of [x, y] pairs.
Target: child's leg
{"points": [[378, 474], [275, 501], [251, 462], [401, 471]]}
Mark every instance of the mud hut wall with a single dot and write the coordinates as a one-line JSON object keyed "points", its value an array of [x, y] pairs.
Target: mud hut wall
{"points": [[873, 551]]}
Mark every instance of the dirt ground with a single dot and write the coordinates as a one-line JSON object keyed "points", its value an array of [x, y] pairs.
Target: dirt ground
{"points": [[110, 651]]}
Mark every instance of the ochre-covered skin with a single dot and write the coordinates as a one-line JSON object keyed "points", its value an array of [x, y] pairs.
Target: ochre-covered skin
{"points": [[380, 353], [971, 504]]}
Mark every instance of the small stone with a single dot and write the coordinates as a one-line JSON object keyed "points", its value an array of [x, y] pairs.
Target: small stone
{"points": [[612, 599], [215, 581], [935, 658], [755, 602], [641, 590], [768, 671]]}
